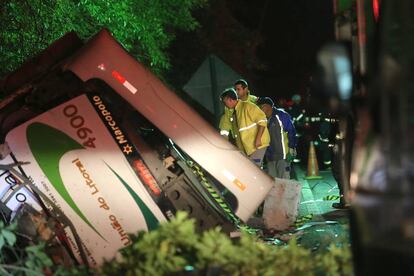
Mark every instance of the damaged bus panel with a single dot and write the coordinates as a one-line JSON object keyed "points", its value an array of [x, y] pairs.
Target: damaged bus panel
{"points": [[102, 146]]}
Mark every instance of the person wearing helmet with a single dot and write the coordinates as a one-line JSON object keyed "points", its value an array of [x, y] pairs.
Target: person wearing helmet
{"points": [[298, 117]]}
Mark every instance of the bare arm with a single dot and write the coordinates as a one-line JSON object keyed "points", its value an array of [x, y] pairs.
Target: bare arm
{"points": [[258, 141]]}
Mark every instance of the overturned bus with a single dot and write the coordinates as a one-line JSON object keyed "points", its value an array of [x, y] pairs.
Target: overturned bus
{"points": [[95, 141]]}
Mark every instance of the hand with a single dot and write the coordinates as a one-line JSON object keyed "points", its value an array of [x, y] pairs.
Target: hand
{"points": [[258, 143], [292, 152]]}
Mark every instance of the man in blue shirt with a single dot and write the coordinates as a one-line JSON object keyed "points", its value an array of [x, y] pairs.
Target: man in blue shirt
{"points": [[282, 147]]}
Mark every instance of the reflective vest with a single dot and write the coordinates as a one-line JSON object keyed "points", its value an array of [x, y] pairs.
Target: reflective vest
{"points": [[227, 126], [248, 117], [282, 135]]}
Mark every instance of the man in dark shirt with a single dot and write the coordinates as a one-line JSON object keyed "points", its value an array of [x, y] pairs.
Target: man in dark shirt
{"points": [[282, 147]]}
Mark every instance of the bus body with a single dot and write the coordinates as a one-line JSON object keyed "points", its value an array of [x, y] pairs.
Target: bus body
{"points": [[100, 144]]}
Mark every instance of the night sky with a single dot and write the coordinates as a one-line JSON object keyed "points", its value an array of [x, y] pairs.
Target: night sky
{"points": [[294, 32], [273, 44]]}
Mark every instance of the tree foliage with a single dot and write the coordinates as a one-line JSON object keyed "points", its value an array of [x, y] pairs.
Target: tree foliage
{"points": [[175, 247], [144, 27]]}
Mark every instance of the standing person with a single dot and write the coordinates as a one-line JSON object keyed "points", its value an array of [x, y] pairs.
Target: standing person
{"points": [[226, 125], [324, 140], [282, 147], [342, 156], [250, 124], [243, 92], [298, 116]]}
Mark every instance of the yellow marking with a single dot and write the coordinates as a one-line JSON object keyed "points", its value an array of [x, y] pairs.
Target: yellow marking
{"points": [[240, 185]]}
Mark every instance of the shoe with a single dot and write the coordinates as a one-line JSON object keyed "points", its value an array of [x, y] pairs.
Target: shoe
{"points": [[340, 205]]}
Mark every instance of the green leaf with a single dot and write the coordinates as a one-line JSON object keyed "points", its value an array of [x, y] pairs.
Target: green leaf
{"points": [[1, 241], [145, 28], [9, 236]]}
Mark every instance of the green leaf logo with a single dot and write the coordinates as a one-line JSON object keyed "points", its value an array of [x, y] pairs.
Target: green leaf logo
{"points": [[48, 145], [150, 219]]}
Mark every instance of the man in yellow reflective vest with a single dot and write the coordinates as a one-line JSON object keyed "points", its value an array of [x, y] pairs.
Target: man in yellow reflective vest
{"points": [[250, 126], [226, 126]]}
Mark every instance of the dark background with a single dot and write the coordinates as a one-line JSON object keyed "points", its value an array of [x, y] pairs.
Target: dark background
{"points": [[271, 43]]}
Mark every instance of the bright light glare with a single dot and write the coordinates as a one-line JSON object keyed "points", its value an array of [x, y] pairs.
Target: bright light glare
{"points": [[344, 77]]}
